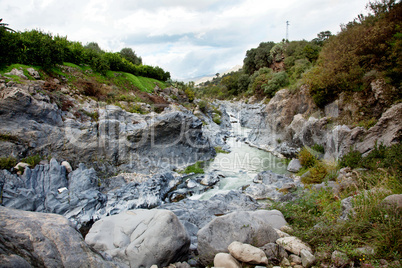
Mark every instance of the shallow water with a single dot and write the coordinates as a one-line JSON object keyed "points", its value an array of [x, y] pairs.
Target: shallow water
{"points": [[241, 165]]}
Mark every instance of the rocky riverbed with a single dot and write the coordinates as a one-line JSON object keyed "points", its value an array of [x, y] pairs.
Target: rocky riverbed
{"points": [[109, 194]]}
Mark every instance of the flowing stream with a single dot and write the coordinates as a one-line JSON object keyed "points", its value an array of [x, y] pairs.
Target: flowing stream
{"points": [[241, 165]]}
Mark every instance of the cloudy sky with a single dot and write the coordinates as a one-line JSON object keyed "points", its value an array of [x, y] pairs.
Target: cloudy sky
{"points": [[188, 38]]}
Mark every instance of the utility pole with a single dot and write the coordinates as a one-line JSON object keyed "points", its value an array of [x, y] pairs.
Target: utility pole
{"points": [[287, 30]]}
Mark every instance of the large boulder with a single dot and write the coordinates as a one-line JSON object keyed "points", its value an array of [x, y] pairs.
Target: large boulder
{"points": [[250, 227], [141, 238], [266, 185], [195, 214], [31, 239]]}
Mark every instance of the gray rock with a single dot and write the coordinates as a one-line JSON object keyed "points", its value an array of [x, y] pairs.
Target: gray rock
{"points": [[141, 238], [126, 141], [347, 208], [195, 214], [294, 165], [246, 227], [393, 201], [295, 259], [274, 252], [307, 258], [19, 73], [339, 259], [32, 72], [30, 239], [266, 184]]}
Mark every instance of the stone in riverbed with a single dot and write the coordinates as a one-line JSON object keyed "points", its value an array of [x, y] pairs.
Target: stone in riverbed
{"points": [[31, 239], [251, 227], [247, 253], [226, 260], [293, 244], [141, 238], [294, 165]]}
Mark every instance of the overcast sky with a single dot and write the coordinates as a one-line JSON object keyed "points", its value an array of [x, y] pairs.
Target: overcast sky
{"points": [[185, 37]]}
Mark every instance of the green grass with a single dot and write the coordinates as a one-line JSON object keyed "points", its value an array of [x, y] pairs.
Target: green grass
{"points": [[218, 149], [18, 66], [8, 137], [197, 168], [143, 83], [7, 162], [372, 224]]}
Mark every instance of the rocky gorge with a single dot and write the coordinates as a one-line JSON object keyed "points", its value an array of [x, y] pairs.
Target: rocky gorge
{"points": [[120, 199]]}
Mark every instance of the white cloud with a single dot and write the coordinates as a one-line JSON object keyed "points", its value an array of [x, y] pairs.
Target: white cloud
{"points": [[187, 38]]}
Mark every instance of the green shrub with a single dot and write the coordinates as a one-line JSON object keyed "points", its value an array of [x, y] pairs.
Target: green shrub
{"points": [[217, 119], [317, 174], [7, 162], [197, 168], [352, 159], [203, 106], [32, 160], [190, 94], [306, 158], [318, 148], [277, 81], [8, 137]]}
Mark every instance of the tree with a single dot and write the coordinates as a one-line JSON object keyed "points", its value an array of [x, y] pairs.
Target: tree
{"points": [[130, 55], [4, 25], [94, 46]]}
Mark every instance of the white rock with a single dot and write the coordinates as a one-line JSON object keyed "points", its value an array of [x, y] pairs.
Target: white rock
{"points": [[247, 253], [226, 260], [293, 244], [60, 190], [307, 258], [32, 72], [67, 166], [282, 234], [22, 165]]}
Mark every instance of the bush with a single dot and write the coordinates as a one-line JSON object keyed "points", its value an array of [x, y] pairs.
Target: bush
{"points": [[217, 119], [277, 81], [197, 168], [318, 148], [7, 162], [306, 158], [190, 94], [203, 106], [32, 160], [317, 174]]}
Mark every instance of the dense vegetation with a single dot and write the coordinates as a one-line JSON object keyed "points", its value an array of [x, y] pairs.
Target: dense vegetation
{"points": [[42, 49], [316, 215], [367, 48]]}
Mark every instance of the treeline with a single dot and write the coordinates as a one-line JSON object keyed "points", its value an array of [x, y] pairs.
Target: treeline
{"points": [[367, 48], [45, 50], [267, 68]]}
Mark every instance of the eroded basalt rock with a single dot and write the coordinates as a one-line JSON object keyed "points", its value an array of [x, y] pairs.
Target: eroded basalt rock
{"points": [[30, 239], [141, 238]]}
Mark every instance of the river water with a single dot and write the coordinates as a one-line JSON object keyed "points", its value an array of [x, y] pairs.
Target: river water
{"points": [[241, 165]]}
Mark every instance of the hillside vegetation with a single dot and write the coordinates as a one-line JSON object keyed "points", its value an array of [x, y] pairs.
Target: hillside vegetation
{"points": [[46, 51], [367, 49]]}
